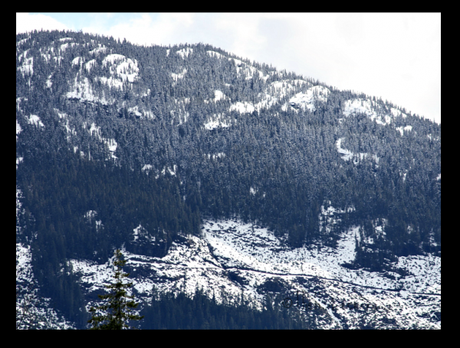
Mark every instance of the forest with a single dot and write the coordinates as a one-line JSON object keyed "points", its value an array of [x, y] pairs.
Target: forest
{"points": [[275, 165]]}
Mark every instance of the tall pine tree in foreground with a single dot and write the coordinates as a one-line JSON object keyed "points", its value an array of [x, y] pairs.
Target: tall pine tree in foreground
{"points": [[117, 310]]}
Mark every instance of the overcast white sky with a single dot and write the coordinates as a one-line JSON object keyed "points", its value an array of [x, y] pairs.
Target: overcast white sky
{"points": [[395, 56]]}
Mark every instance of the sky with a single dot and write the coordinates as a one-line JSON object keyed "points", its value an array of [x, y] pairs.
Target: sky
{"points": [[394, 56]]}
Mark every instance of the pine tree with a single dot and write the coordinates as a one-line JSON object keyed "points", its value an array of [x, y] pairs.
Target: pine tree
{"points": [[118, 307]]}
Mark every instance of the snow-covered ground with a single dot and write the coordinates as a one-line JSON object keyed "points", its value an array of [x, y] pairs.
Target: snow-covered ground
{"points": [[370, 108], [31, 310], [256, 256], [306, 100]]}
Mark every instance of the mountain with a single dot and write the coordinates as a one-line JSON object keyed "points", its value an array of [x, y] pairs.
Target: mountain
{"points": [[260, 194]]}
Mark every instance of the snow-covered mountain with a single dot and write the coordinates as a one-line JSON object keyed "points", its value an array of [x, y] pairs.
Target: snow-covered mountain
{"points": [[213, 172]]}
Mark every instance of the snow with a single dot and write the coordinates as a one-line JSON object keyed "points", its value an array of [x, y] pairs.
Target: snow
{"points": [[215, 156], [24, 272], [92, 273], [278, 90], [214, 54], [97, 50], [368, 107], [28, 304], [219, 95], [81, 89], [135, 111], [18, 129], [147, 167], [90, 64], [242, 107], [358, 106], [185, 52], [216, 121], [77, 61], [112, 145], [18, 161], [307, 100], [402, 130], [348, 155], [179, 76], [395, 112], [20, 42], [122, 68], [256, 255], [27, 66], [90, 215], [66, 45], [35, 120], [112, 58], [172, 171], [48, 82]]}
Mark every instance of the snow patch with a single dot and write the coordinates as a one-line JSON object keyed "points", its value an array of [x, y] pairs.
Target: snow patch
{"points": [[366, 106], [110, 142], [348, 155], [172, 171], [122, 68], [216, 122], [185, 52], [18, 129], [97, 50], [27, 67], [218, 95], [35, 120], [179, 76], [81, 89], [215, 156], [242, 107], [307, 100], [402, 130], [147, 167], [395, 112]]}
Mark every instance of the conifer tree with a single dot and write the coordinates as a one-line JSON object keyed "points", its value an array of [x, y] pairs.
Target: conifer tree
{"points": [[117, 310]]}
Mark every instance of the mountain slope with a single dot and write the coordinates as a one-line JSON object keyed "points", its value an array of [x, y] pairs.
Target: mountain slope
{"points": [[141, 147]]}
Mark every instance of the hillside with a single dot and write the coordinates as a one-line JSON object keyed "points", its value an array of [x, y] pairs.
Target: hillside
{"points": [[146, 148]]}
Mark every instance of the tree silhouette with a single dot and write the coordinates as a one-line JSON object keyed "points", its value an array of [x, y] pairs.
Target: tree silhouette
{"points": [[117, 310]]}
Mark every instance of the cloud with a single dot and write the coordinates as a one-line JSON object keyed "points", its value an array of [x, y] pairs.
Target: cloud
{"points": [[26, 22]]}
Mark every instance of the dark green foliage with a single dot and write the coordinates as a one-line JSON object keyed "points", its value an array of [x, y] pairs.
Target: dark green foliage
{"points": [[57, 194], [117, 311], [170, 311], [280, 165], [60, 191]]}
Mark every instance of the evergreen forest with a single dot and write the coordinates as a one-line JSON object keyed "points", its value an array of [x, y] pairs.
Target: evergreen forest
{"points": [[160, 140]]}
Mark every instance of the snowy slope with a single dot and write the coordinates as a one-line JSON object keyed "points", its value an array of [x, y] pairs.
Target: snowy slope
{"points": [[256, 256]]}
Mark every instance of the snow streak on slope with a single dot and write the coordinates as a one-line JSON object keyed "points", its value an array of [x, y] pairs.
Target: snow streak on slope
{"points": [[348, 155]]}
